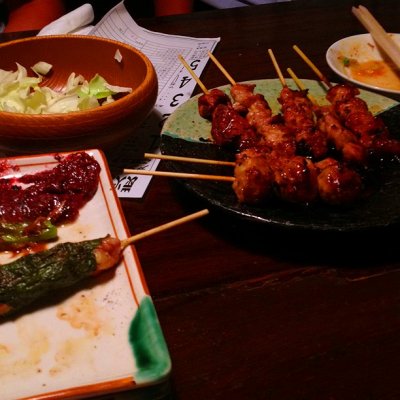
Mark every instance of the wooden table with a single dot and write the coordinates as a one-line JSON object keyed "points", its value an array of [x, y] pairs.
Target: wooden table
{"points": [[251, 312]]}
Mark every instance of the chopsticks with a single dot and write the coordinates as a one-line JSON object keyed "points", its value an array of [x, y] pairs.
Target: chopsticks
{"points": [[376, 30]]}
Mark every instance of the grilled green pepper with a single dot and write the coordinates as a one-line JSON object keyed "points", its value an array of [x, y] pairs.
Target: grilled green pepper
{"points": [[35, 275], [17, 235]]}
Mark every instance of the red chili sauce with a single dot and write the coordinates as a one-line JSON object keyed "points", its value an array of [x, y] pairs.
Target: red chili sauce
{"points": [[59, 192]]}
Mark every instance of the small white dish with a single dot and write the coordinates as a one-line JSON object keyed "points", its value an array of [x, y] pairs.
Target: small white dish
{"points": [[358, 59]]}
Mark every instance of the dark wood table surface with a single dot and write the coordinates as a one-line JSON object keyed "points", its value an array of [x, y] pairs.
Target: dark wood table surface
{"points": [[253, 312]]}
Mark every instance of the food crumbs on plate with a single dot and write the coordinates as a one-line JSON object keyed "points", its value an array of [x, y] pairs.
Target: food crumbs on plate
{"points": [[33, 344], [72, 352], [81, 312], [4, 350]]}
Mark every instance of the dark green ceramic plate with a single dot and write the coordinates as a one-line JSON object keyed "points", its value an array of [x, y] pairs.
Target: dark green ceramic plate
{"points": [[185, 133]]}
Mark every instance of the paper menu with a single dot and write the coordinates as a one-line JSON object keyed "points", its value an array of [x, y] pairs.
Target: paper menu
{"points": [[175, 87]]}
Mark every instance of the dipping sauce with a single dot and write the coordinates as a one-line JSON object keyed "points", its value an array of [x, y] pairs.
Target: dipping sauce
{"points": [[375, 73]]}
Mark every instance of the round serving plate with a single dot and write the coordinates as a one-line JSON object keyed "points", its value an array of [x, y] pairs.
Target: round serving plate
{"points": [[186, 133]]}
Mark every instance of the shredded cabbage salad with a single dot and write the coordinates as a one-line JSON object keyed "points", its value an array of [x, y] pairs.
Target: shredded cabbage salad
{"points": [[23, 94]]}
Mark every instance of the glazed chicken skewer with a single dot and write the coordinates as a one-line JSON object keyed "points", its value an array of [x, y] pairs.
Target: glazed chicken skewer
{"points": [[259, 173], [355, 115], [343, 140], [228, 127], [294, 178], [263, 171], [333, 175], [298, 115], [271, 133], [352, 113], [336, 183], [260, 176]]}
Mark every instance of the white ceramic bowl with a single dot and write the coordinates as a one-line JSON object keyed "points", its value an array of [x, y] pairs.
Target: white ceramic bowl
{"points": [[359, 60]]}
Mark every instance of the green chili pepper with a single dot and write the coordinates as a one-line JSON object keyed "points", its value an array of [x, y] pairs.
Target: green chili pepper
{"points": [[35, 275], [17, 235]]}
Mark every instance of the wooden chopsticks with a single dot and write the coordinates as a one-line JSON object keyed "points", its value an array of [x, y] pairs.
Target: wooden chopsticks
{"points": [[376, 30]]}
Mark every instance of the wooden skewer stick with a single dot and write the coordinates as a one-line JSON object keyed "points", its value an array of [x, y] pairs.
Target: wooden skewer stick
{"points": [[195, 77], [179, 175], [222, 69], [168, 225], [320, 75], [189, 159], [300, 85], [378, 33], [276, 66]]}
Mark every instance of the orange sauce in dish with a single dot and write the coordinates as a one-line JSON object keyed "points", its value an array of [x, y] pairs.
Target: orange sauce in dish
{"points": [[376, 73]]}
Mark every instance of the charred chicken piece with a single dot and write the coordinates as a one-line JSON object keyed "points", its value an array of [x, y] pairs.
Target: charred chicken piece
{"points": [[274, 134], [254, 178], [337, 183], [208, 102], [298, 114], [295, 179], [344, 140], [353, 112], [230, 128]]}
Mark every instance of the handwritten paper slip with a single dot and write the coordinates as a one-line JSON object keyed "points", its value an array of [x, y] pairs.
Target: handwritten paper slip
{"points": [[175, 87]]}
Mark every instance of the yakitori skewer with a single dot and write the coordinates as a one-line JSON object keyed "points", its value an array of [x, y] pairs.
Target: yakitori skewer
{"points": [[352, 112], [319, 74], [194, 76], [189, 159], [221, 68], [298, 116], [344, 140], [160, 228], [300, 85], [277, 68], [183, 175], [254, 109]]}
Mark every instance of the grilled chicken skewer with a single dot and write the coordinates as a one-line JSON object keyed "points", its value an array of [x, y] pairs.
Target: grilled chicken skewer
{"points": [[260, 175], [298, 115], [357, 122], [269, 165]]}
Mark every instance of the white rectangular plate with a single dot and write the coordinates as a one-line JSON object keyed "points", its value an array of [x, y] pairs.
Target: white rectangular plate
{"points": [[101, 337]]}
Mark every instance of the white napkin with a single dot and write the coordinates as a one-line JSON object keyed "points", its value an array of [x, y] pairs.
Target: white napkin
{"points": [[75, 22]]}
